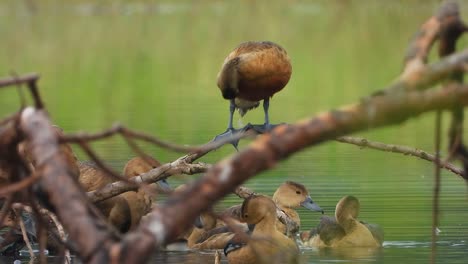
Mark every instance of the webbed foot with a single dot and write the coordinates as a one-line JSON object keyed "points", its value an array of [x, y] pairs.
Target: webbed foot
{"points": [[228, 137], [261, 129]]}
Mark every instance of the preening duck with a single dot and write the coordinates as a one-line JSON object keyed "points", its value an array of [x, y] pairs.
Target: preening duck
{"points": [[345, 230]]}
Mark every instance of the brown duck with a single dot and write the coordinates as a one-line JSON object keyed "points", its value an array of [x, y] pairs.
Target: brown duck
{"points": [[265, 244], [252, 72], [344, 230]]}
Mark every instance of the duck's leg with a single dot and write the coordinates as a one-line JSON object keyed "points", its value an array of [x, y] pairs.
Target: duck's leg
{"points": [[266, 126], [230, 130]]}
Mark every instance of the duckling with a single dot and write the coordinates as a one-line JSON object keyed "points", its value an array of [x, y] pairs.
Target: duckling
{"points": [[266, 244], [344, 230], [252, 72]]}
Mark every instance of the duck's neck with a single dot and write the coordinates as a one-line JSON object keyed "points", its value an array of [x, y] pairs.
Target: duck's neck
{"points": [[266, 225], [291, 213], [347, 222]]}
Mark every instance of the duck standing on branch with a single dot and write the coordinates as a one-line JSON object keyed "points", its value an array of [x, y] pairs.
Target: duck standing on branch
{"points": [[252, 72]]}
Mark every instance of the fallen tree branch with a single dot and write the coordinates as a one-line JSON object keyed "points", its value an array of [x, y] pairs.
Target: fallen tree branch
{"points": [[179, 166], [362, 142], [65, 196]]}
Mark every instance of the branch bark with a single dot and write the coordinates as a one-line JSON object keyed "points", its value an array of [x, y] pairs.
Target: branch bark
{"points": [[63, 193], [179, 166], [405, 150]]}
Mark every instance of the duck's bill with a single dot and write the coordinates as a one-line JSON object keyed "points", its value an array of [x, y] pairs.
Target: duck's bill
{"points": [[164, 185], [311, 205]]}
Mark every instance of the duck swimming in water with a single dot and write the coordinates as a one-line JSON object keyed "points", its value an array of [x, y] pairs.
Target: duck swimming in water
{"points": [[265, 244], [344, 230], [288, 197]]}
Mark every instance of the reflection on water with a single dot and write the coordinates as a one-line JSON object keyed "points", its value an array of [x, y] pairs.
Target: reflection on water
{"points": [[392, 252]]}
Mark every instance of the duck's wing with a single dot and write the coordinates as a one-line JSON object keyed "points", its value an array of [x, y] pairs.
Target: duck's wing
{"points": [[213, 232], [376, 230], [217, 241], [233, 212], [235, 243], [328, 230]]}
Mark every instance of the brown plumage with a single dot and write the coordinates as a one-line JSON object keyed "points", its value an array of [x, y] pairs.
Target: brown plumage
{"points": [[252, 72], [288, 197], [138, 201], [125, 210], [266, 244]]}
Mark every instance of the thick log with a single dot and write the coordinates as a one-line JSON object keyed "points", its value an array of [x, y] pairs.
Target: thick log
{"points": [[63, 193]]}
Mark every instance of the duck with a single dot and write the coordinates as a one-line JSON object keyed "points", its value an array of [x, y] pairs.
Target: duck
{"points": [[265, 244], [344, 230], [253, 71], [288, 197], [125, 210], [140, 202]]}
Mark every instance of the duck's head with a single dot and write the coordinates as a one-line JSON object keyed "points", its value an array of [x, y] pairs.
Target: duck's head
{"points": [[294, 195], [347, 208], [257, 207], [139, 165]]}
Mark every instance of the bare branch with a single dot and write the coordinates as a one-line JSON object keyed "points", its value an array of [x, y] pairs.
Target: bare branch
{"points": [[179, 166], [25, 79], [106, 169], [17, 186], [24, 234], [125, 132], [362, 142]]}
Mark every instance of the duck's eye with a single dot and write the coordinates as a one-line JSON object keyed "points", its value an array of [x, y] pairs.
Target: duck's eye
{"points": [[298, 192], [246, 215]]}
